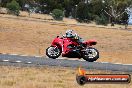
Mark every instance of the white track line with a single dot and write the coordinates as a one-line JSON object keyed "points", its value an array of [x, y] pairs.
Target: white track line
{"points": [[117, 63], [13, 54], [5, 60], [104, 62], [126, 64], [18, 61], [19, 55], [29, 62], [60, 58], [38, 56], [23, 55]]}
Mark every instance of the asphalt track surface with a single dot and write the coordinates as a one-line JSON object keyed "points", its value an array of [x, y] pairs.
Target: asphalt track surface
{"points": [[16, 60]]}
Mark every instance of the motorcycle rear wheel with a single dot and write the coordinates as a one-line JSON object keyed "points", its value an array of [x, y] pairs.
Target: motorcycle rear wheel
{"points": [[91, 54], [53, 52]]}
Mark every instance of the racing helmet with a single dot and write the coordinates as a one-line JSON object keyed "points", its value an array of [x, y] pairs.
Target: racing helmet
{"points": [[69, 33]]}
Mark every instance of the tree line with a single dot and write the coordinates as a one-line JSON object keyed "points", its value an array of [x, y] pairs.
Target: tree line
{"points": [[99, 11]]}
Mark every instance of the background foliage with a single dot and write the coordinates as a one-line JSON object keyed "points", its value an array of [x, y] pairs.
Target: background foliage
{"points": [[13, 7], [114, 11]]}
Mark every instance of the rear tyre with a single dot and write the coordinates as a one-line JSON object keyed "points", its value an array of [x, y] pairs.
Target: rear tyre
{"points": [[53, 52], [91, 54]]}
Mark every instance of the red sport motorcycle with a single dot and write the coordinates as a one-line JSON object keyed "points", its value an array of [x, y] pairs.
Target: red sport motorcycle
{"points": [[73, 48]]}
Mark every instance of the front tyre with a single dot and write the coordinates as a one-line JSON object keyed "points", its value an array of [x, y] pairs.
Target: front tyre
{"points": [[53, 52], [91, 54]]}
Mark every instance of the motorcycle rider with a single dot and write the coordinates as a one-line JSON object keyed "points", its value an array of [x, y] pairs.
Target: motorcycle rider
{"points": [[73, 35]]}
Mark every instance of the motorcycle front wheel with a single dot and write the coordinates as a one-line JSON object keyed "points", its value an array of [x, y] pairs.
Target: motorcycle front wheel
{"points": [[53, 52], [91, 54]]}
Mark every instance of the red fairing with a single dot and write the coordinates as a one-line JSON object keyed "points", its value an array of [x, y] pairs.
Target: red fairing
{"points": [[62, 43], [68, 41], [57, 42], [91, 42]]}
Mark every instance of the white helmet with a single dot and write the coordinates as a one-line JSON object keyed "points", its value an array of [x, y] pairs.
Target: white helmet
{"points": [[69, 33]]}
